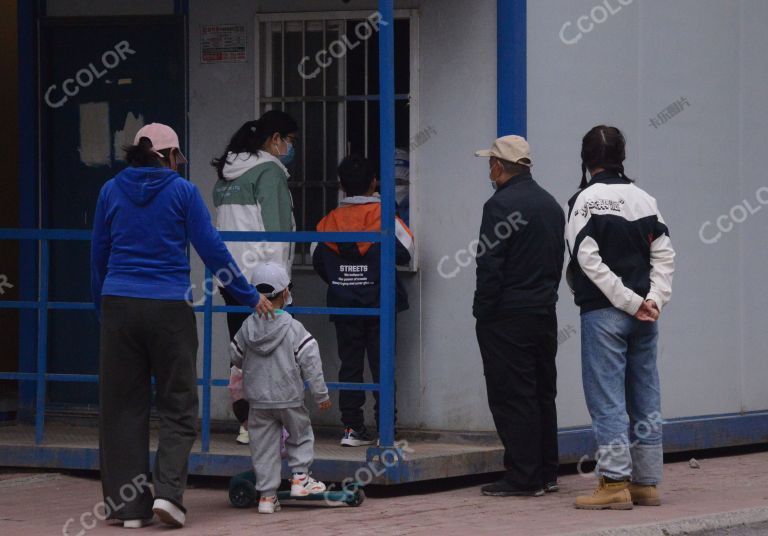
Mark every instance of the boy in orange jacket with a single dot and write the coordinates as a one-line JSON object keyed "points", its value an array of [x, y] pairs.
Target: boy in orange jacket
{"points": [[352, 272]]}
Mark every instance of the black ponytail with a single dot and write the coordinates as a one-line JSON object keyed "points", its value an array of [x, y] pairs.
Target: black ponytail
{"points": [[603, 147], [143, 155], [252, 135]]}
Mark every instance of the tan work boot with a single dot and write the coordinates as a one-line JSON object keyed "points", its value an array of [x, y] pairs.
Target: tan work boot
{"points": [[607, 496], [644, 495]]}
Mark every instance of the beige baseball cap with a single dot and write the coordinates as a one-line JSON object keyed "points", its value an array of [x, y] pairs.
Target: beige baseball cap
{"points": [[162, 137], [513, 149]]}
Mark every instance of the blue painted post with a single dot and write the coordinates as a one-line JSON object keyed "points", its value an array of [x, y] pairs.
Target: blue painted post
{"points": [[42, 340], [387, 313], [512, 97], [207, 336]]}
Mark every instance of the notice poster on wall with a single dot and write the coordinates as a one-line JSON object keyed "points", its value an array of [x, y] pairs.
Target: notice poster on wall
{"points": [[222, 43]]}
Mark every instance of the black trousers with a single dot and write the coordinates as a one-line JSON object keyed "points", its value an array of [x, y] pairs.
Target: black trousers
{"points": [[240, 408], [356, 336], [518, 354], [139, 338]]}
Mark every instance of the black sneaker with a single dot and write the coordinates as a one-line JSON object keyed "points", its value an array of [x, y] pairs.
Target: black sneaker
{"points": [[357, 438], [502, 488], [551, 487]]}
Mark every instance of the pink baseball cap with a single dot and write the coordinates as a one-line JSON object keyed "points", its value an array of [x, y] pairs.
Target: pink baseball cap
{"points": [[162, 137]]}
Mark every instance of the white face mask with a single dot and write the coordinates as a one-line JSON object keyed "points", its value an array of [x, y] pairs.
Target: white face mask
{"points": [[493, 181], [401, 192]]}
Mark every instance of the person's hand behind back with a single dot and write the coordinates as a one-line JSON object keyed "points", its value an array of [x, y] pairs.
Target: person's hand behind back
{"points": [[648, 312]]}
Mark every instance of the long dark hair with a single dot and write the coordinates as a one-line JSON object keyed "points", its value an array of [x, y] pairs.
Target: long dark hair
{"points": [[250, 137], [143, 155], [604, 147]]}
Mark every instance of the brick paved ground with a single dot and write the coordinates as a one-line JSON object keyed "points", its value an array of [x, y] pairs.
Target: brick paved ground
{"points": [[39, 503]]}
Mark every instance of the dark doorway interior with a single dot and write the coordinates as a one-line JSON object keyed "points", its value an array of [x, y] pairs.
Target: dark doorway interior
{"points": [[9, 202], [101, 80]]}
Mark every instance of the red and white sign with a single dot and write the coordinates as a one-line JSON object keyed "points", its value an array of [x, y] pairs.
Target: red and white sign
{"points": [[222, 43]]}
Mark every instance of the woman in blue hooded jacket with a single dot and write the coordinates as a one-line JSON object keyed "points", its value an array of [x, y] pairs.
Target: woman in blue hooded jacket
{"points": [[146, 216]]}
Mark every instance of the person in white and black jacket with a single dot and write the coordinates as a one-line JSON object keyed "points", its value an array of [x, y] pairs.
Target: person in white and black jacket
{"points": [[620, 271]]}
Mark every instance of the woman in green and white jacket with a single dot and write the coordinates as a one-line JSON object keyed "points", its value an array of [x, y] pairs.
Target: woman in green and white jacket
{"points": [[252, 194]]}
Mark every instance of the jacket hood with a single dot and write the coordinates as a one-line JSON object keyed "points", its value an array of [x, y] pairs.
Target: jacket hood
{"points": [[264, 335], [360, 200], [142, 184], [238, 164], [357, 213]]}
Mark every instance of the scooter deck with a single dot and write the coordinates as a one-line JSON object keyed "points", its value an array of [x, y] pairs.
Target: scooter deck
{"points": [[242, 493], [331, 496]]}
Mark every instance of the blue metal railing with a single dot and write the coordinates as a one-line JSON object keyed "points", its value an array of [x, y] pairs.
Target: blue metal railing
{"points": [[387, 176], [387, 238], [41, 376]]}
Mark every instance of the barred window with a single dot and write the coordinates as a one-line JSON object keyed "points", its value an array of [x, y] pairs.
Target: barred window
{"points": [[323, 70]]}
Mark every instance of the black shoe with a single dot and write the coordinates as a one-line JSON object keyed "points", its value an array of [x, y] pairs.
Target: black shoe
{"points": [[502, 488], [551, 487], [357, 438]]}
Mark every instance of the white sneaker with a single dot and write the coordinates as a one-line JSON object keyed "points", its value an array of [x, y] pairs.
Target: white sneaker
{"points": [[399, 443], [169, 513], [135, 523], [243, 437], [302, 485], [269, 505]]}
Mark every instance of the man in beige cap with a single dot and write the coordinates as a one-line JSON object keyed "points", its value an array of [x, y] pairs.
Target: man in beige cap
{"points": [[519, 264]]}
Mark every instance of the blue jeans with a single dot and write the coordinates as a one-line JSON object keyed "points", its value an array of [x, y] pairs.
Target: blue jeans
{"points": [[621, 387]]}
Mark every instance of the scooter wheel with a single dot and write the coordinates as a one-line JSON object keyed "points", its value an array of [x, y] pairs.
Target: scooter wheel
{"points": [[357, 499], [242, 494]]}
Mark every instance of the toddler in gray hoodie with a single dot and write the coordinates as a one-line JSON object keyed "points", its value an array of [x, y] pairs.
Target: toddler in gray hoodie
{"points": [[276, 357]]}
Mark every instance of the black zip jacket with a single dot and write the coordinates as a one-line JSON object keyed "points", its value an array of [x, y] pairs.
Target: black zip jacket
{"points": [[521, 252]]}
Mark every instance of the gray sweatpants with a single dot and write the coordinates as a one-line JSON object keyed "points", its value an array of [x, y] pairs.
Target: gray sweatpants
{"points": [[264, 428]]}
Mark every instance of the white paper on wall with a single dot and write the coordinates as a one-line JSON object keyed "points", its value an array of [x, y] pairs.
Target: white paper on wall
{"points": [[95, 134], [125, 136]]}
